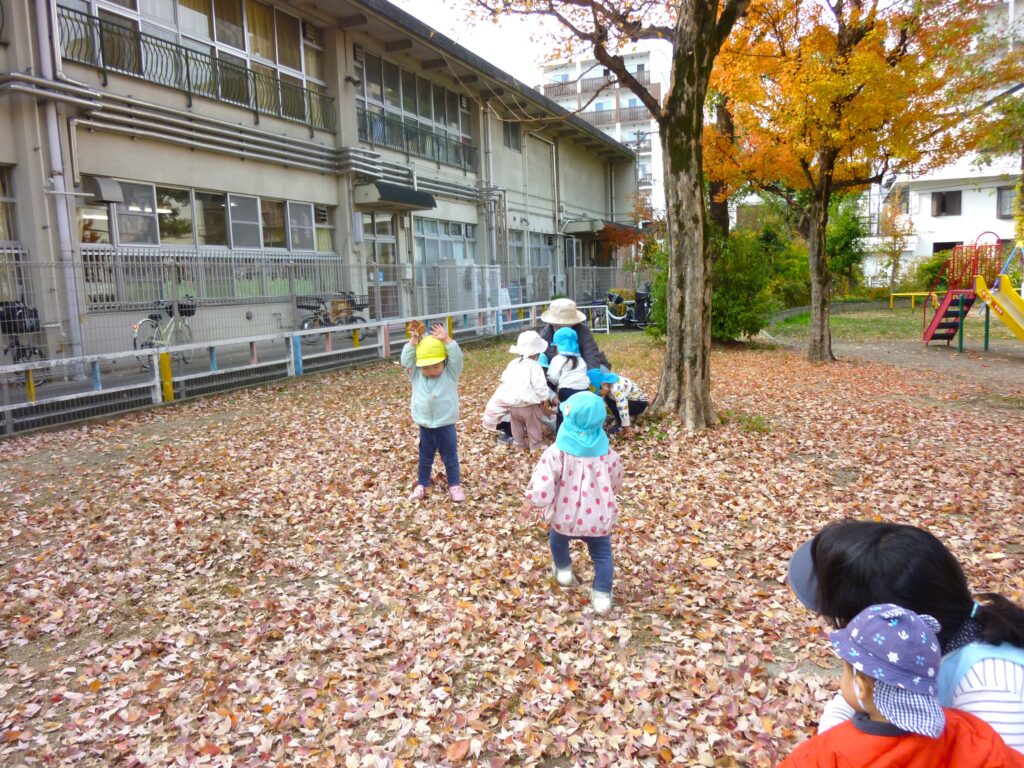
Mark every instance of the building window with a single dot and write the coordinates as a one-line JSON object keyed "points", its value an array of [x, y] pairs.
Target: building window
{"points": [[542, 250], [946, 203], [324, 228], [904, 200], [272, 215], [443, 241], [212, 218], [1004, 202], [516, 244], [300, 226], [174, 216], [512, 136], [8, 225], [245, 221], [136, 216]]}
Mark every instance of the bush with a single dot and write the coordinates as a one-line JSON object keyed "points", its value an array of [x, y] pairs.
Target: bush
{"points": [[741, 278], [659, 289], [925, 272], [790, 284]]}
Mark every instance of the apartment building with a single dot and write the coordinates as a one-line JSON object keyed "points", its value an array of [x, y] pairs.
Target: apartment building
{"points": [[583, 85], [249, 154]]}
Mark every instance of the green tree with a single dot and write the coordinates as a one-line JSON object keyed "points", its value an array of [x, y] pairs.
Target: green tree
{"points": [[844, 243]]}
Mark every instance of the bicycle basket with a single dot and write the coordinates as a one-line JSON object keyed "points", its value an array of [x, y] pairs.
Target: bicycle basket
{"points": [[187, 307], [308, 302], [15, 317]]}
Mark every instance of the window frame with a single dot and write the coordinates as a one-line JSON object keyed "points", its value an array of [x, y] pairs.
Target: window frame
{"points": [[943, 203], [1009, 196]]}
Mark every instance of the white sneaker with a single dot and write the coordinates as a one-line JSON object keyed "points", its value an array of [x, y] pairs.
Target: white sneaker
{"points": [[602, 601], [564, 576]]}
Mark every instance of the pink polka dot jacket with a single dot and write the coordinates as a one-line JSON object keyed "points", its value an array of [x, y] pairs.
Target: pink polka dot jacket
{"points": [[577, 493]]}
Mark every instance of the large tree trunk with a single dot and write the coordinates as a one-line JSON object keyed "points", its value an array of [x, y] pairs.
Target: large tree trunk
{"points": [[685, 388], [819, 346], [718, 207]]}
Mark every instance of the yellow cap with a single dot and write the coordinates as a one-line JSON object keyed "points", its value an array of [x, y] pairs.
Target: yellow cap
{"points": [[429, 352]]}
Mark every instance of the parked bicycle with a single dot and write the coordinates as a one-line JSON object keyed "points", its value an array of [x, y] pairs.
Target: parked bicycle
{"points": [[18, 318], [152, 333], [637, 315], [339, 312]]}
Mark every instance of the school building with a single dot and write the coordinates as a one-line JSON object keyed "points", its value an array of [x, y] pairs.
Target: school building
{"points": [[260, 156]]}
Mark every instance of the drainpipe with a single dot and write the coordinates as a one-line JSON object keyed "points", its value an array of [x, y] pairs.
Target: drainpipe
{"points": [[49, 52], [492, 227]]}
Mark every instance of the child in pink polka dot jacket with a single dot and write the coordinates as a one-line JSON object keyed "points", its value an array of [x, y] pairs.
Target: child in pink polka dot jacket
{"points": [[575, 483]]}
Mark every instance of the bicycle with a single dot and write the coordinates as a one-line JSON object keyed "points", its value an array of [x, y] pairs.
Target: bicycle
{"points": [[150, 334], [636, 316], [17, 318], [342, 312]]}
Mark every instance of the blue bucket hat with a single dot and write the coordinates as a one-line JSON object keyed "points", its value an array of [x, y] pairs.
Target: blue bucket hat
{"points": [[598, 377], [582, 430], [543, 360], [900, 651], [566, 341]]}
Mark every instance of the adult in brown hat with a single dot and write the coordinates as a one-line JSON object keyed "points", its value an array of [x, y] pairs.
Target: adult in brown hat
{"points": [[563, 314]]}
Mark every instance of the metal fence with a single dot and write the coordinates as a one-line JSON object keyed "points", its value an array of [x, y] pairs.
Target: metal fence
{"points": [[172, 366], [591, 285], [112, 47]]}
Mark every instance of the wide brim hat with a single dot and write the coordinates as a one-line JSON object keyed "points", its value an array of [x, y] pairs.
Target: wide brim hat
{"points": [[802, 578], [582, 431], [528, 343], [430, 351], [562, 312]]}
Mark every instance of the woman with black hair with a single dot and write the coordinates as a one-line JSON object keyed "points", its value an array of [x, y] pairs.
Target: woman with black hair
{"points": [[852, 564]]}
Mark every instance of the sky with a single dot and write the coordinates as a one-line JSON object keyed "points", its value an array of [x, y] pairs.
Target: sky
{"points": [[506, 45]]}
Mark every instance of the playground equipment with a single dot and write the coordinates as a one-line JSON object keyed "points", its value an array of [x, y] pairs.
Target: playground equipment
{"points": [[974, 272]]}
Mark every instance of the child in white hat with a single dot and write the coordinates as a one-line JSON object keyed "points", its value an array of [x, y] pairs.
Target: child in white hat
{"points": [[524, 389]]}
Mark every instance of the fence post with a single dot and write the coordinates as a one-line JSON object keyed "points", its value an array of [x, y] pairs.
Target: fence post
{"points": [[188, 76], [376, 292], [296, 356], [97, 382], [5, 394], [166, 382], [213, 358], [157, 382], [385, 340], [174, 287]]}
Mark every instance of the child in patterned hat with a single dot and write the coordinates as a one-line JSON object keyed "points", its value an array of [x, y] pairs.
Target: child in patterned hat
{"points": [[891, 660]]}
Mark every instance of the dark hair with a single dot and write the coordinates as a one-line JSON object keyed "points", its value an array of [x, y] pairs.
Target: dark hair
{"points": [[861, 562]]}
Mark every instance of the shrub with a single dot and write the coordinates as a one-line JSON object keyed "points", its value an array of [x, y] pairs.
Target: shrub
{"points": [[926, 271], [741, 303], [659, 287]]}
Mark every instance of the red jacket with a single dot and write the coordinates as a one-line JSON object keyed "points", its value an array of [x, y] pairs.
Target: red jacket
{"points": [[966, 742]]}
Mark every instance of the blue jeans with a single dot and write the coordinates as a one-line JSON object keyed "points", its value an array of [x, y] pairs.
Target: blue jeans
{"points": [[432, 441], [600, 549]]}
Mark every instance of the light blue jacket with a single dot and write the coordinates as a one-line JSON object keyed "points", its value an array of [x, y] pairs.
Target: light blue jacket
{"points": [[435, 402]]}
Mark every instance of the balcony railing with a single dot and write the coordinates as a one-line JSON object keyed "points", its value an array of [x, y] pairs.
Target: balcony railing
{"points": [[643, 147], [394, 133], [560, 89], [599, 116], [112, 47], [632, 114], [646, 180], [589, 84]]}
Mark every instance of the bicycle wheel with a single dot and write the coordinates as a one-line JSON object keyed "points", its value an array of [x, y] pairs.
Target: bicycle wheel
{"points": [[183, 335], [144, 339], [309, 323]]}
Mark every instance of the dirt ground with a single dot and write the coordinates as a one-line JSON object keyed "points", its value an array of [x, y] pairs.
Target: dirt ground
{"points": [[999, 371]]}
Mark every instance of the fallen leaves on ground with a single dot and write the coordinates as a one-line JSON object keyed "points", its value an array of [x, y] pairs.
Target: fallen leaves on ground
{"points": [[239, 580]]}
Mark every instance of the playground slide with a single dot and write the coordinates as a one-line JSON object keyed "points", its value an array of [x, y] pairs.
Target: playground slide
{"points": [[1005, 302]]}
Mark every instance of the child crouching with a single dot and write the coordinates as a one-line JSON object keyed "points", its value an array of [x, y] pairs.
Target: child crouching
{"points": [[434, 364], [524, 389], [575, 483]]}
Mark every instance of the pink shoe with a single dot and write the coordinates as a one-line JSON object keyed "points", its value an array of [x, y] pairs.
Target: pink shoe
{"points": [[418, 493], [458, 495]]}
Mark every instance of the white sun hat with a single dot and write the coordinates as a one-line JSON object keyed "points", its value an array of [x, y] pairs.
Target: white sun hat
{"points": [[563, 312], [528, 343]]}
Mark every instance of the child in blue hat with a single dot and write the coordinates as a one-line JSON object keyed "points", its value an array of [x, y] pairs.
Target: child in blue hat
{"points": [[567, 372], [891, 659], [575, 483], [624, 398]]}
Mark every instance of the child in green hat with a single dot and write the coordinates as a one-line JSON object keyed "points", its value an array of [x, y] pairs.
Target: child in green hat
{"points": [[434, 364]]}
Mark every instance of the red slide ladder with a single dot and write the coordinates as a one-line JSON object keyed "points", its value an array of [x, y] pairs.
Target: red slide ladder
{"points": [[959, 272]]}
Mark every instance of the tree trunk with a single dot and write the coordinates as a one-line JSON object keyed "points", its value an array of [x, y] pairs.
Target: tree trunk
{"points": [[719, 208], [819, 347], [894, 269], [685, 388]]}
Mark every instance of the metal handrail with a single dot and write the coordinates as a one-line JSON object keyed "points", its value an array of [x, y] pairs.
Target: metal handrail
{"points": [[111, 47], [394, 133]]}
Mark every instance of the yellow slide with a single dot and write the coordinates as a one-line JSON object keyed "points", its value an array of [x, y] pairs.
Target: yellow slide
{"points": [[1005, 302]]}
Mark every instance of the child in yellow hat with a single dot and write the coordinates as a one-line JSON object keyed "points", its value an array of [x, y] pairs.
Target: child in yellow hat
{"points": [[434, 364]]}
